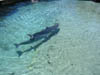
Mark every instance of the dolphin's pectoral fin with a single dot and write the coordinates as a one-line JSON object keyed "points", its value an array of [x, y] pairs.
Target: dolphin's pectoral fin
{"points": [[19, 53], [31, 46], [17, 45]]}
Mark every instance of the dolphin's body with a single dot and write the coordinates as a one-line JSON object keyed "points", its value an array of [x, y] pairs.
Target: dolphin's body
{"points": [[39, 35], [44, 32]]}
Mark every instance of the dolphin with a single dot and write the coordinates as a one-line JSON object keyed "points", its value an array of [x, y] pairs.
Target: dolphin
{"points": [[39, 35], [37, 45], [44, 32]]}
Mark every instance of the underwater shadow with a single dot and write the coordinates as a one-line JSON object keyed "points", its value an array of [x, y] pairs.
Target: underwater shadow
{"points": [[45, 35], [6, 11], [10, 9]]}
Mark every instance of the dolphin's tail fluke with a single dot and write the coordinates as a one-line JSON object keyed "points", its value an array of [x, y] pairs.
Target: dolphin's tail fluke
{"points": [[16, 45], [19, 53]]}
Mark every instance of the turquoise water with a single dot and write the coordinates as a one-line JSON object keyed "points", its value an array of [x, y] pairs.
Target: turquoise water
{"points": [[73, 51]]}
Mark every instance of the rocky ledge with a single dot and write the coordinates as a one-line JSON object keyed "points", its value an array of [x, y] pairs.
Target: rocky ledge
{"points": [[8, 2]]}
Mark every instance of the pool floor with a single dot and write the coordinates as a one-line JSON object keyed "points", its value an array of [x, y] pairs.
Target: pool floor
{"points": [[74, 50]]}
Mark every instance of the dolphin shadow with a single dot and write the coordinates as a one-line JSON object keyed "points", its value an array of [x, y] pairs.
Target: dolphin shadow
{"points": [[48, 37]]}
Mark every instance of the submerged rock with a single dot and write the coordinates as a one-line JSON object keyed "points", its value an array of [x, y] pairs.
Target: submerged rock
{"points": [[10, 2], [98, 1]]}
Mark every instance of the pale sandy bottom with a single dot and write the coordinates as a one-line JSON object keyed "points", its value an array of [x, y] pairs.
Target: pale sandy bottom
{"points": [[75, 50]]}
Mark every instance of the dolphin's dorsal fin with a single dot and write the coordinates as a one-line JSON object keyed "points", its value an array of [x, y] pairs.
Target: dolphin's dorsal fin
{"points": [[29, 35]]}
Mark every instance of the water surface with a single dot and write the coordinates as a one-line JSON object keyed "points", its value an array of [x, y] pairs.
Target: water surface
{"points": [[73, 51]]}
